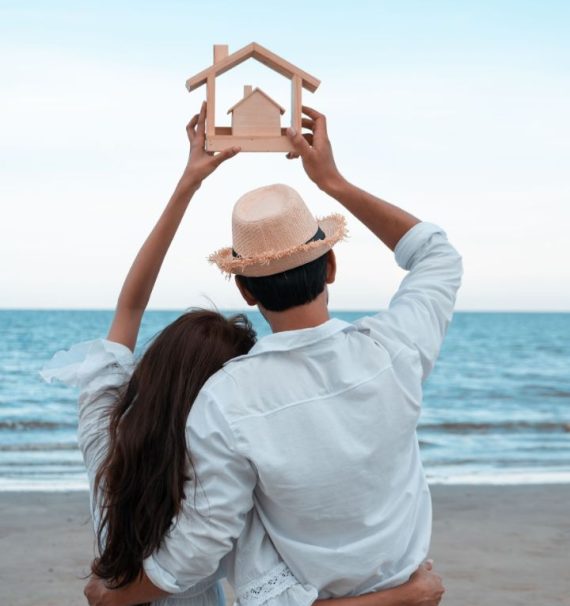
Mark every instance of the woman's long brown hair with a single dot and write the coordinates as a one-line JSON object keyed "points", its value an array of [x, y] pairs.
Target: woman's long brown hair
{"points": [[140, 483]]}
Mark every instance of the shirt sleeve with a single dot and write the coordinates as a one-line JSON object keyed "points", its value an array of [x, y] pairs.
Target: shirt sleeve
{"points": [[217, 501], [421, 310], [98, 368]]}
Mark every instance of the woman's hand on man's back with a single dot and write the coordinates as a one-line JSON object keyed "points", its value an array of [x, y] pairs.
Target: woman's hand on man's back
{"points": [[426, 586]]}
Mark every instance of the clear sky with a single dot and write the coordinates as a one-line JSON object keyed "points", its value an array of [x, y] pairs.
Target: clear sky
{"points": [[457, 111]]}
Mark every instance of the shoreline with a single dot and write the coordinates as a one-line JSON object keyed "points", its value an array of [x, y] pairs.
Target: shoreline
{"points": [[493, 545], [474, 479]]}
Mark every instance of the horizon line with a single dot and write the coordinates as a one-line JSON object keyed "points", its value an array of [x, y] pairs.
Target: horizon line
{"points": [[246, 309]]}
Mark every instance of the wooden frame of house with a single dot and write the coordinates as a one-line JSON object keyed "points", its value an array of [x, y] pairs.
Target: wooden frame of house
{"points": [[256, 134]]}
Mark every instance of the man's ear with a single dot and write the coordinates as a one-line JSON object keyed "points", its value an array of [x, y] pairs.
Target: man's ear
{"points": [[331, 267], [249, 298]]}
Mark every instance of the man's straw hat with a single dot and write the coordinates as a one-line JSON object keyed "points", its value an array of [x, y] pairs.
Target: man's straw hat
{"points": [[273, 230]]}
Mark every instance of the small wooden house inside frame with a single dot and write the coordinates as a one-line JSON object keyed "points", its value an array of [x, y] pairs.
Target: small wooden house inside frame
{"points": [[256, 117]]}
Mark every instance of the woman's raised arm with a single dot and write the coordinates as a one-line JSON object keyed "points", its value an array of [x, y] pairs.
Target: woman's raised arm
{"points": [[141, 278]]}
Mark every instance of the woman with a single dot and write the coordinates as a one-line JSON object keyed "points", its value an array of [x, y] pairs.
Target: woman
{"points": [[132, 430]]}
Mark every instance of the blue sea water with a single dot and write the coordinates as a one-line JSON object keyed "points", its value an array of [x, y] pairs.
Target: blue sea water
{"points": [[496, 409]]}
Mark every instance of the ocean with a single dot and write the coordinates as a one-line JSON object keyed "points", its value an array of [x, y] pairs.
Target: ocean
{"points": [[496, 407]]}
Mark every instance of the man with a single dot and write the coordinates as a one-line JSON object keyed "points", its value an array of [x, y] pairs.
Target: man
{"points": [[315, 427]]}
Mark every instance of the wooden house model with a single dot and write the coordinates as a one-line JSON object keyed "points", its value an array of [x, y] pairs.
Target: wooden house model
{"points": [[256, 118]]}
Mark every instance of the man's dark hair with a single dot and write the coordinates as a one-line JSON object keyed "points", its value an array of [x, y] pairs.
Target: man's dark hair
{"points": [[289, 288]]}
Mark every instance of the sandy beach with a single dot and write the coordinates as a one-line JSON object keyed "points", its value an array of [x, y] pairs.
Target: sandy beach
{"points": [[493, 545]]}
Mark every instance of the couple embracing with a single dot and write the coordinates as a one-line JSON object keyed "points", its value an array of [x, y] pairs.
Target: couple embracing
{"points": [[288, 464]]}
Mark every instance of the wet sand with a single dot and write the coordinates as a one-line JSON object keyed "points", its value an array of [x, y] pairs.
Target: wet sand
{"points": [[507, 546]]}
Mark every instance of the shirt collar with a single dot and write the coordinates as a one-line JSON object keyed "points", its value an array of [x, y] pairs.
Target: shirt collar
{"points": [[295, 339]]}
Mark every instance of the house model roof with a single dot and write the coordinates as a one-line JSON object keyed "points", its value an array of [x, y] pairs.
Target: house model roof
{"points": [[256, 90], [261, 54]]}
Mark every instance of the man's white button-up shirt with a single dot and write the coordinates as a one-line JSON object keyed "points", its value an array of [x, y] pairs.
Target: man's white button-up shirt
{"points": [[316, 428]]}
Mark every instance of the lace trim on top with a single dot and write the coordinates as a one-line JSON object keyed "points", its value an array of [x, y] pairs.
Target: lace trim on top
{"points": [[259, 591]]}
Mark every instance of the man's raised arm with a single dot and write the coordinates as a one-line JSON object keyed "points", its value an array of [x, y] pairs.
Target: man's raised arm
{"points": [[421, 310], [386, 221]]}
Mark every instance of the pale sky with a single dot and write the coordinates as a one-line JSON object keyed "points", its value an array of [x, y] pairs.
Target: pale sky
{"points": [[456, 111]]}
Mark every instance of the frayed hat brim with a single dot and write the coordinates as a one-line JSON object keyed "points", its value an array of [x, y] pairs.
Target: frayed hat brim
{"points": [[275, 261]]}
